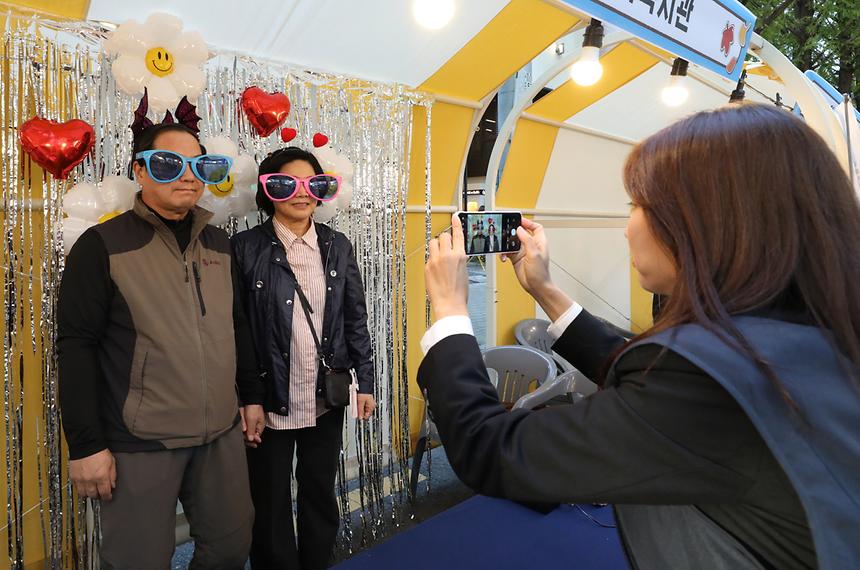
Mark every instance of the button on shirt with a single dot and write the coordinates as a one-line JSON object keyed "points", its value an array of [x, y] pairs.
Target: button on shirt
{"points": [[304, 257]]}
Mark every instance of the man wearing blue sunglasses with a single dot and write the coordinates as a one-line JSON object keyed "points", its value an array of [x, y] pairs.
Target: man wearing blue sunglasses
{"points": [[153, 351]]}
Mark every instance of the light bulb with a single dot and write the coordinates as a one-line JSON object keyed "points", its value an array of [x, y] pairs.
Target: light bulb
{"points": [[433, 14], [587, 70], [675, 93]]}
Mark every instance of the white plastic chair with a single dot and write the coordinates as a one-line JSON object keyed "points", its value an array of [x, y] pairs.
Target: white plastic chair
{"points": [[572, 383], [533, 333], [520, 369]]}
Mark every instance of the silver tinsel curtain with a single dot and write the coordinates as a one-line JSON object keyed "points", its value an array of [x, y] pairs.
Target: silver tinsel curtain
{"points": [[56, 71]]}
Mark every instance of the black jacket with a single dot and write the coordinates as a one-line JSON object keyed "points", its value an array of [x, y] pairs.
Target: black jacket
{"points": [[267, 288], [661, 432]]}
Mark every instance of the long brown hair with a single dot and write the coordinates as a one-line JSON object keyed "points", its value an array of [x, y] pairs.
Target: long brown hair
{"points": [[757, 214]]}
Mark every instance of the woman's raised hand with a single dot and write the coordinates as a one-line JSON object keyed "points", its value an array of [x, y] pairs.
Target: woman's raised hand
{"points": [[531, 262], [531, 265], [445, 273]]}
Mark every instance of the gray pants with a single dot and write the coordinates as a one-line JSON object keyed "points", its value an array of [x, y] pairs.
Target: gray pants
{"points": [[211, 481]]}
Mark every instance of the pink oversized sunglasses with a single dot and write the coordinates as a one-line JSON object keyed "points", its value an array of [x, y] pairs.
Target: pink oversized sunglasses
{"points": [[281, 187]]}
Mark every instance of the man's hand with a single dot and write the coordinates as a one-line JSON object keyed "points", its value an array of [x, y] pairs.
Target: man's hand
{"points": [[253, 423], [445, 273], [366, 405], [94, 476]]}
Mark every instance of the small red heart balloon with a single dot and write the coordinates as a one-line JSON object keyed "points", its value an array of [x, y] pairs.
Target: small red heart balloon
{"points": [[266, 111], [320, 140], [57, 147], [288, 134]]}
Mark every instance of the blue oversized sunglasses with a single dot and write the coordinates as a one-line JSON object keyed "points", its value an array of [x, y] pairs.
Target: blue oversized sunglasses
{"points": [[166, 166]]}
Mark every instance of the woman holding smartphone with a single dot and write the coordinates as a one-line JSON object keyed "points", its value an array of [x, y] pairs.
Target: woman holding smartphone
{"points": [[300, 284], [728, 434]]}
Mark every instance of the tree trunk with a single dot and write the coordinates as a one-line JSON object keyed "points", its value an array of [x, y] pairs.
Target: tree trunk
{"points": [[804, 12], [847, 22]]}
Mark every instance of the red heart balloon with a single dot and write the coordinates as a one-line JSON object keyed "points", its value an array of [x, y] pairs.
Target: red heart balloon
{"points": [[288, 134], [57, 147], [320, 140], [266, 111]]}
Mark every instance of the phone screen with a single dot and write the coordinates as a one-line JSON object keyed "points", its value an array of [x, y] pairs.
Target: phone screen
{"points": [[490, 232]]}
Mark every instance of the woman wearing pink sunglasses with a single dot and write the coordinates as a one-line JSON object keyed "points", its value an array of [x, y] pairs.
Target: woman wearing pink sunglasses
{"points": [[300, 285]]}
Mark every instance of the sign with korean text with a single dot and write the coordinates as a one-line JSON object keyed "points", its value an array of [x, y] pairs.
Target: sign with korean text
{"points": [[714, 34]]}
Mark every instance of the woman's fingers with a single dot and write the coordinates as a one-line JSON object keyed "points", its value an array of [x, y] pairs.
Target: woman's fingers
{"points": [[531, 225], [444, 242], [433, 249], [457, 240]]}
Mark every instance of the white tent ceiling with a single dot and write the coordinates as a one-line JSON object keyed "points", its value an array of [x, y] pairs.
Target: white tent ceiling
{"points": [[377, 40]]}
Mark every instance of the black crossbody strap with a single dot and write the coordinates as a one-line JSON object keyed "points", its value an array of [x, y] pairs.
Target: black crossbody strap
{"points": [[308, 310]]}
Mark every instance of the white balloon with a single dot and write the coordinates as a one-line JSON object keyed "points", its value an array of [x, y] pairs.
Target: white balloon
{"points": [[118, 193], [344, 166], [334, 162], [236, 205], [189, 47], [326, 156], [244, 170], [325, 212], [162, 28], [84, 202], [244, 197], [344, 197], [218, 206], [188, 80], [126, 39], [221, 145], [162, 95], [130, 74], [72, 230], [240, 201]]}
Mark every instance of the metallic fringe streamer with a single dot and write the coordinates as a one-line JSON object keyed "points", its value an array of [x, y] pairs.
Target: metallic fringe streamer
{"points": [[428, 235], [60, 73]]}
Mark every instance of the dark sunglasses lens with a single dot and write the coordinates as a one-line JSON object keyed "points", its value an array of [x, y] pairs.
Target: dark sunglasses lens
{"points": [[213, 169], [165, 166], [280, 187], [324, 187]]}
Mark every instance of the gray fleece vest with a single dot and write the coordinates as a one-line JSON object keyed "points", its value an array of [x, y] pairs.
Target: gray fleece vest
{"points": [[821, 459], [169, 353]]}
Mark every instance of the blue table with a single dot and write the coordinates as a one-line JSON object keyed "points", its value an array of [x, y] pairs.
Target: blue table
{"points": [[493, 533]]}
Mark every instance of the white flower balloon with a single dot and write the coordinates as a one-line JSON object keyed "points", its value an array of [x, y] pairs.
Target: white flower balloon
{"points": [[159, 57], [234, 196], [86, 205], [334, 162]]}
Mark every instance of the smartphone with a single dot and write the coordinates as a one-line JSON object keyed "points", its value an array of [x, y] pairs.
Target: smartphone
{"points": [[490, 232]]}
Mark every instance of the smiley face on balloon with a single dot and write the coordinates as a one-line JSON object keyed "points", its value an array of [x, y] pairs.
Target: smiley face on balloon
{"points": [[159, 62], [223, 190]]}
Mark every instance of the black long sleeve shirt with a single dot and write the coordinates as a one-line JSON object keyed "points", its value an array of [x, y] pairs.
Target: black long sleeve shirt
{"points": [[85, 297], [666, 433]]}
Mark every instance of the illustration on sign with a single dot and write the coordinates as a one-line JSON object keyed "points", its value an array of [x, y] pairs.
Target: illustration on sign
{"points": [[728, 39]]}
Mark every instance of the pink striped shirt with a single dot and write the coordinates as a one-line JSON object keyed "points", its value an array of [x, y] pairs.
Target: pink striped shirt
{"points": [[303, 255]]}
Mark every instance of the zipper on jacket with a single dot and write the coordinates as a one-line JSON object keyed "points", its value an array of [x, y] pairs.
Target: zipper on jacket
{"points": [[185, 263], [197, 282]]}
